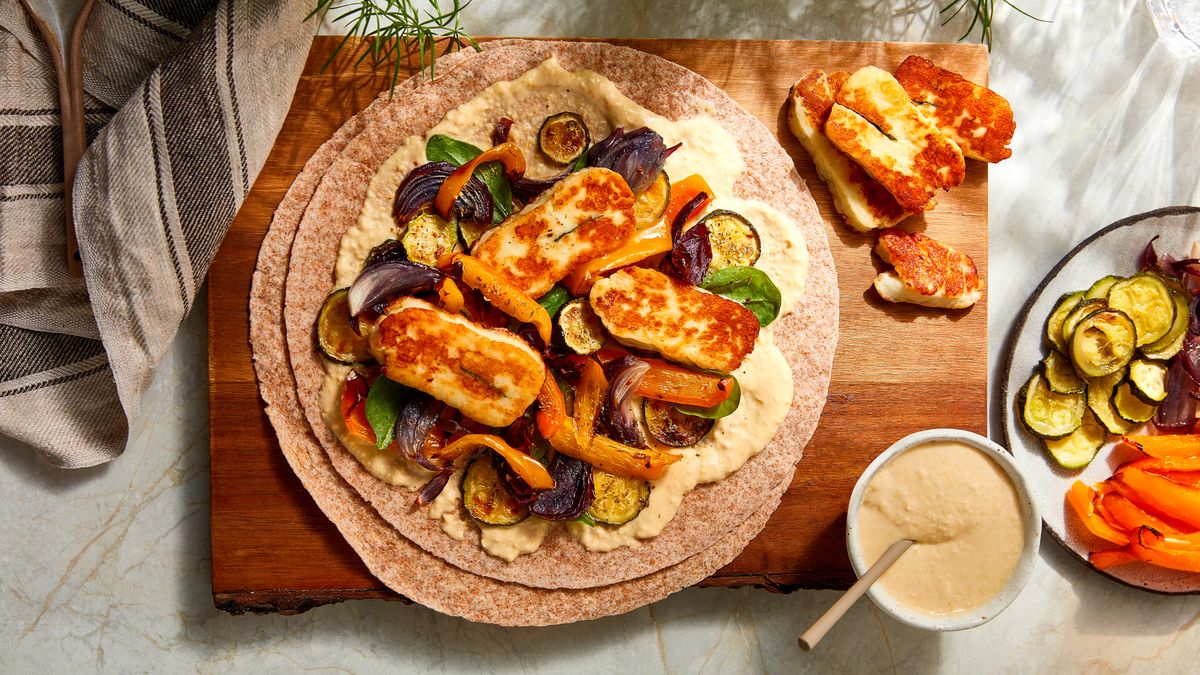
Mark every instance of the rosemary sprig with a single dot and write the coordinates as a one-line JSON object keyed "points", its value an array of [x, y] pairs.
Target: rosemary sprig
{"points": [[984, 11], [393, 29]]}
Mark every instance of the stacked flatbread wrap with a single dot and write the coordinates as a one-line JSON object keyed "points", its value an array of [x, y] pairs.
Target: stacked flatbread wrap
{"points": [[562, 581]]}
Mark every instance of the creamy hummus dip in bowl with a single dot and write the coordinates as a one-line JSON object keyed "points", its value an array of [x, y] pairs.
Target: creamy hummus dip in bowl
{"points": [[975, 528]]}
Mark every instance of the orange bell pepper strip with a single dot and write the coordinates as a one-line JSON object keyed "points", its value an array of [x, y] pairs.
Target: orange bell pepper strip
{"points": [[589, 395], [507, 154], [1103, 560], [670, 383], [1081, 499], [1174, 464], [1166, 496], [1128, 516], [609, 455], [354, 407], [1180, 445], [552, 408], [649, 242], [529, 469], [500, 293], [1165, 551], [449, 296], [682, 192]]}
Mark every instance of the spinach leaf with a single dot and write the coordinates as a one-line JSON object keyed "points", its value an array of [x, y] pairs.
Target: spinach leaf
{"points": [[585, 518], [581, 161], [723, 409], [442, 148], [554, 299], [749, 286], [383, 407]]}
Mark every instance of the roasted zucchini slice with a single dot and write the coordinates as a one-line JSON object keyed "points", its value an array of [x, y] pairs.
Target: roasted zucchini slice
{"points": [[1103, 343], [1170, 344], [1079, 448], [1084, 308], [733, 239], [336, 337], [1060, 376], [1054, 324], [564, 137], [1148, 302], [1047, 414], [649, 204], [486, 498], [1129, 407], [471, 231], [581, 329], [618, 499], [672, 428], [1099, 400], [1100, 288], [1148, 380], [427, 237]]}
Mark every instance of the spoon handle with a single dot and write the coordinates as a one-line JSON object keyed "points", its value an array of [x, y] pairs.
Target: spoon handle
{"points": [[813, 635]]}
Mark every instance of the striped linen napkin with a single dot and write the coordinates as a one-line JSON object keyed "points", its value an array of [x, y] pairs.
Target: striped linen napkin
{"points": [[183, 102]]}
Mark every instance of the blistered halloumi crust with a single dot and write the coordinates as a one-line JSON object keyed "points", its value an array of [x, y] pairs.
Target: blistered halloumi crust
{"points": [[978, 119], [927, 272]]}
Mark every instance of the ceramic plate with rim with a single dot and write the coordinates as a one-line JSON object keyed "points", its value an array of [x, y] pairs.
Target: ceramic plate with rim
{"points": [[1111, 250]]}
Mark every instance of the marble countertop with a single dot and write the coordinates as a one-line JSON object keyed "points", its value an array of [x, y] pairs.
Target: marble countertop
{"points": [[108, 568]]}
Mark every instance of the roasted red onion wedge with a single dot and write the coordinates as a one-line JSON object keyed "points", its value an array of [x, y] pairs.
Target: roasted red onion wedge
{"points": [[689, 259], [1177, 413], [416, 419], [434, 487], [620, 412], [573, 491], [389, 279], [638, 155], [421, 185]]}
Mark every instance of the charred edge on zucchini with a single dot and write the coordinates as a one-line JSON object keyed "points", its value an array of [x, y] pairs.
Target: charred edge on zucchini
{"points": [[1131, 408], [1100, 288], [1060, 374], [1075, 316], [1054, 323], [618, 499], [563, 137], [1148, 380], [651, 203], [485, 497], [1170, 344], [336, 337], [1099, 401], [672, 428], [1103, 343], [1047, 414], [582, 331], [733, 240]]}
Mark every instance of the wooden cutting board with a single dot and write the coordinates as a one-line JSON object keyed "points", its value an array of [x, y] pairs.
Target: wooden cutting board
{"points": [[898, 369]]}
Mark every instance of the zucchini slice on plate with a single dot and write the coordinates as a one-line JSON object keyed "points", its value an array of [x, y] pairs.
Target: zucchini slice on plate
{"points": [[428, 236], [1099, 401], [1170, 344], [1100, 288], [1060, 375], [733, 239], [1048, 414], [582, 330], [1103, 343], [1148, 380], [564, 137], [1079, 448], [1146, 300], [336, 337], [1054, 325], [1129, 407], [1081, 311], [486, 498], [618, 499], [649, 204]]}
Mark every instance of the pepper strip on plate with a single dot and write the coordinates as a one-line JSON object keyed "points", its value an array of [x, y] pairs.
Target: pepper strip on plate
{"points": [[500, 293], [589, 395], [552, 407], [1126, 514], [1162, 550], [1163, 494], [1177, 445], [529, 469], [667, 382], [1103, 560], [1081, 499], [616, 458], [508, 154]]}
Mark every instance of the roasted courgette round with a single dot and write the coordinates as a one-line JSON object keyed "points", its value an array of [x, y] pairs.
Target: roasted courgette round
{"points": [[1129, 407], [1147, 301], [618, 499], [582, 331], [336, 337], [1148, 380], [428, 236], [1077, 450], [1170, 344], [733, 239], [1103, 343], [1047, 414], [1071, 322], [485, 497], [471, 231], [564, 137], [649, 204], [1054, 324], [1060, 375], [1099, 400], [672, 428], [1100, 288]]}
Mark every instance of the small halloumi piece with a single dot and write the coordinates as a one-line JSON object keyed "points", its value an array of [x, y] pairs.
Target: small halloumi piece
{"points": [[863, 202], [927, 272], [978, 119], [647, 309], [489, 375], [584, 216], [877, 125]]}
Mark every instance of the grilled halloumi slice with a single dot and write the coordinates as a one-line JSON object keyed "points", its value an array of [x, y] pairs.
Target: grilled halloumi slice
{"points": [[647, 309], [862, 201], [978, 119], [877, 125], [584, 216], [489, 375], [927, 271]]}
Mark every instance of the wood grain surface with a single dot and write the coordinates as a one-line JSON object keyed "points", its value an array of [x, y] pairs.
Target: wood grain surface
{"points": [[898, 368]]}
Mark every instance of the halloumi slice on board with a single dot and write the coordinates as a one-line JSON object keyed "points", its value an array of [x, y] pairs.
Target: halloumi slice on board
{"points": [[862, 201], [877, 125], [927, 272], [978, 119]]}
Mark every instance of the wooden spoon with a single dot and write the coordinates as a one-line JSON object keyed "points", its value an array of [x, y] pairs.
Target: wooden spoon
{"points": [[813, 635], [61, 24]]}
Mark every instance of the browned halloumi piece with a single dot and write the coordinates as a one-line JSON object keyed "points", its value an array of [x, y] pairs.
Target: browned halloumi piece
{"points": [[927, 271], [489, 375], [978, 119], [862, 201], [877, 125], [584, 216], [647, 309]]}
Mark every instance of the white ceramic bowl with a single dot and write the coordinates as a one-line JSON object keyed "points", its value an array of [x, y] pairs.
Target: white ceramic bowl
{"points": [[1029, 516]]}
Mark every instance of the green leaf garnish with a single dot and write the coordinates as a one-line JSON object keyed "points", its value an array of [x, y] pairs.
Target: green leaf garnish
{"points": [[723, 409], [586, 518], [749, 286], [442, 148], [383, 407]]}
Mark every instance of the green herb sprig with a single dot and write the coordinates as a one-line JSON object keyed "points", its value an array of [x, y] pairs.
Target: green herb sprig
{"points": [[984, 11], [392, 29]]}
